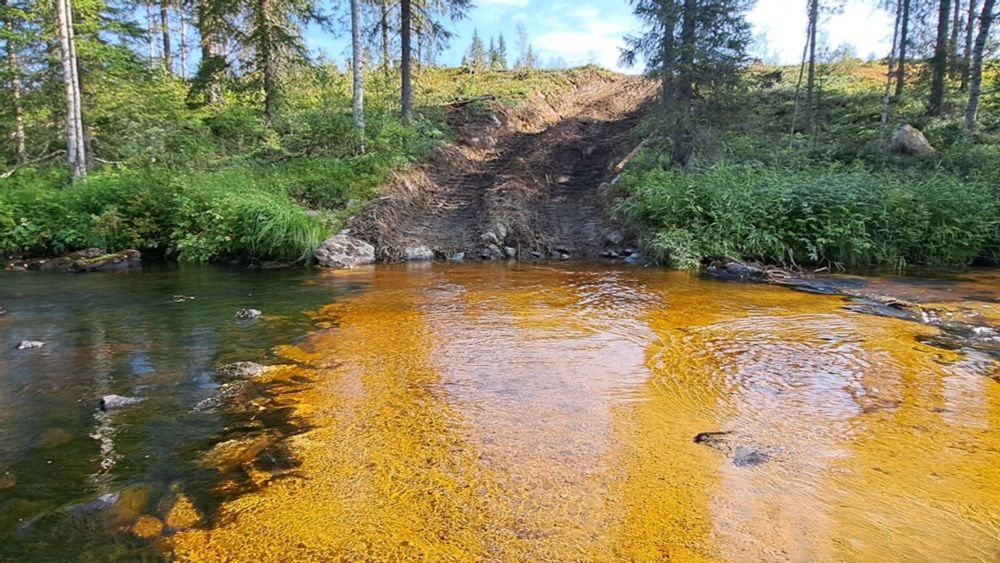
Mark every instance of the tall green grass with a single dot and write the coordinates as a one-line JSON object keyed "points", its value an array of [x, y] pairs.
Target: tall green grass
{"points": [[834, 214]]}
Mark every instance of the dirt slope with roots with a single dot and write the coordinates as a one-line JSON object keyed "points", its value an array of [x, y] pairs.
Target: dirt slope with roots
{"points": [[527, 183]]}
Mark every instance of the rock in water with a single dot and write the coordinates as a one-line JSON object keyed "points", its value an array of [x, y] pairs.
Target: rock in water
{"points": [[243, 369], [342, 251], [117, 262], [30, 345], [418, 253], [735, 271], [747, 456], [909, 140], [248, 314], [3, 311], [115, 402]]}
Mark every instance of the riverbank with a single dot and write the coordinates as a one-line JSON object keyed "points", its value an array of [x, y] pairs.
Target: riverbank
{"points": [[211, 183], [825, 196]]}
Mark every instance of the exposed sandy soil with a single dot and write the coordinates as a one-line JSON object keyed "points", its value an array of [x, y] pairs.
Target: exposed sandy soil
{"points": [[539, 172]]}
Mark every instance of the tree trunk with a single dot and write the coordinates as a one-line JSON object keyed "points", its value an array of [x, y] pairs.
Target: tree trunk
{"points": [[888, 82], [904, 43], [939, 63], [168, 58], [798, 85], [682, 147], [184, 42], [970, 29], [270, 60], [209, 50], [668, 47], [954, 68], [384, 26], [14, 67], [150, 32], [75, 150], [357, 57], [811, 79], [405, 25], [976, 79]]}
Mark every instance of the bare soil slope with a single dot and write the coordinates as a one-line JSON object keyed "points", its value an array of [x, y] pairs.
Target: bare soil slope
{"points": [[523, 182]]}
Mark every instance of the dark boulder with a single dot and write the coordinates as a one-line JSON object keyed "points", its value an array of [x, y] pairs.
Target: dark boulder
{"points": [[117, 262], [729, 270]]}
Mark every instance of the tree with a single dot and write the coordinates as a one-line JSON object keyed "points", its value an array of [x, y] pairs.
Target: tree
{"points": [[976, 73], [75, 144], [888, 80], [11, 32], [357, 69], [528, 59], [477, 55], [904, 42], [939, 64], [970, 29], [210, 20], [275, 36], [687, 44], [811, 80], [499, 60], [406, 90], [168, 59]]}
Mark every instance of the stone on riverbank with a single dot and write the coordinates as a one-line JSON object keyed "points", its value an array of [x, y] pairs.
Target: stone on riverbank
{"points": [[342, 251]]}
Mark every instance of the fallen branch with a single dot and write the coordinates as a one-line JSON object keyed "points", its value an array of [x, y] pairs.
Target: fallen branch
{"points": [[463, 103], [20, 165], [628, 158]]}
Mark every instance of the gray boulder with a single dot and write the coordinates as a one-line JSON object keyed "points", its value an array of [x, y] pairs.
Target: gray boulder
{"points": [[418, 253], [243, 369], [29, 345], [909, 140], [342, 251], [115, 402]]}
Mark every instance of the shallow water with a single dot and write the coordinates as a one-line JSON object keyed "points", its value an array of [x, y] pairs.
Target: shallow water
{"points": [[501, 412]]}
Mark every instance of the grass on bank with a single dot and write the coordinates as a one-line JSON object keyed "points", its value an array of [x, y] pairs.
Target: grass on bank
{"points": [[205, 183], [829, 196]]}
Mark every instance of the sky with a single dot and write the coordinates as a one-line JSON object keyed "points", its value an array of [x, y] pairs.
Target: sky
{"points": [[592, 31]]}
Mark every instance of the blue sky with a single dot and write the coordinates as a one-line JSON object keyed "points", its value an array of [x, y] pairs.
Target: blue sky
{"points": [[585, 31]]}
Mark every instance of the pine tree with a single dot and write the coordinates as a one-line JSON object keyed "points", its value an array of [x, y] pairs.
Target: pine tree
{"points": [[976, 74], [501, 54], [939, 64], [477, 56]]}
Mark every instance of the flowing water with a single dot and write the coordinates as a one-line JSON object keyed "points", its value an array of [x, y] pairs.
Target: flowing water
{"points": [[494, 412]]}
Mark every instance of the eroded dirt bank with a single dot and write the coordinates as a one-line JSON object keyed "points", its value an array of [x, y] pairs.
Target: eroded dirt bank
{"points": [[517, 183]]}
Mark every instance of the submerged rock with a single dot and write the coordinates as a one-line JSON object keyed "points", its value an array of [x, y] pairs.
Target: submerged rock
{"points": [[909, 140], [30, 345], [2, 311], [736, 271], [98, 505], [459, 257], [342, 251], [115, 402], [147, 527], [748, 456], [248, 314], [244, 369], [183, 514], [232, 454]]}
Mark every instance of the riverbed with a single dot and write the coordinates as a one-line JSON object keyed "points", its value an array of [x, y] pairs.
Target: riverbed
{"points": [[500, 412]]}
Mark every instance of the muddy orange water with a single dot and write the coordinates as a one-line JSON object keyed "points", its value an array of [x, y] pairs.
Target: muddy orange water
{"points": [[498, 413]]}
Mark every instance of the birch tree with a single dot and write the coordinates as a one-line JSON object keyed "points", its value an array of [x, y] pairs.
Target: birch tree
{"points": [[976, 74], [75, 145]]}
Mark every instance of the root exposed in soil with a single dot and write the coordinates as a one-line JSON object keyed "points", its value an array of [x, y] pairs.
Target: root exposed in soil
{"points": [[525, 182]]}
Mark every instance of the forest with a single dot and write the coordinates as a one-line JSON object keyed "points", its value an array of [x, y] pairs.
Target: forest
{"points": [[205, 130]]}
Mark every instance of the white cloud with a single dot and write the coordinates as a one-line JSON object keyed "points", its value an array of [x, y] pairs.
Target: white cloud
{"points": [[859, 24]]}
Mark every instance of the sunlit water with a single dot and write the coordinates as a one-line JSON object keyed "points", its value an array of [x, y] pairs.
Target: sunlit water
{"points": [[496, 413]]}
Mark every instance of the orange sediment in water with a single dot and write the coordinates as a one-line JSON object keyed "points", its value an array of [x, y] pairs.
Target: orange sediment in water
{"points": [[467, 413]]}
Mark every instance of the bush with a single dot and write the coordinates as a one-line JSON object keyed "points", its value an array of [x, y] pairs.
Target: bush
{"points": [[840, 215]]}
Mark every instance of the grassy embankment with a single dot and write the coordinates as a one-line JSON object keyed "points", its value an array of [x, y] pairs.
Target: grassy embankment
{"points": [[829, 196], [209, 183]]}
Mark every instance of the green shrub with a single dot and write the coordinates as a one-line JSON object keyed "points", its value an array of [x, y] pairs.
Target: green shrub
{"points": [[840, 215]]}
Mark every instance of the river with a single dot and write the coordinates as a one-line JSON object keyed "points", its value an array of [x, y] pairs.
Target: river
{"points": [[493, 412]]}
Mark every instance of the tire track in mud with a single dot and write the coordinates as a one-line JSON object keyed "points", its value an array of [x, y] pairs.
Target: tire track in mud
{"points": [[522, 183]]}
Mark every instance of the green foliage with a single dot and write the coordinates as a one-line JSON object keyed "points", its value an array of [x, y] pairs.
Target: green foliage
{"points": [[840, 215]]}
